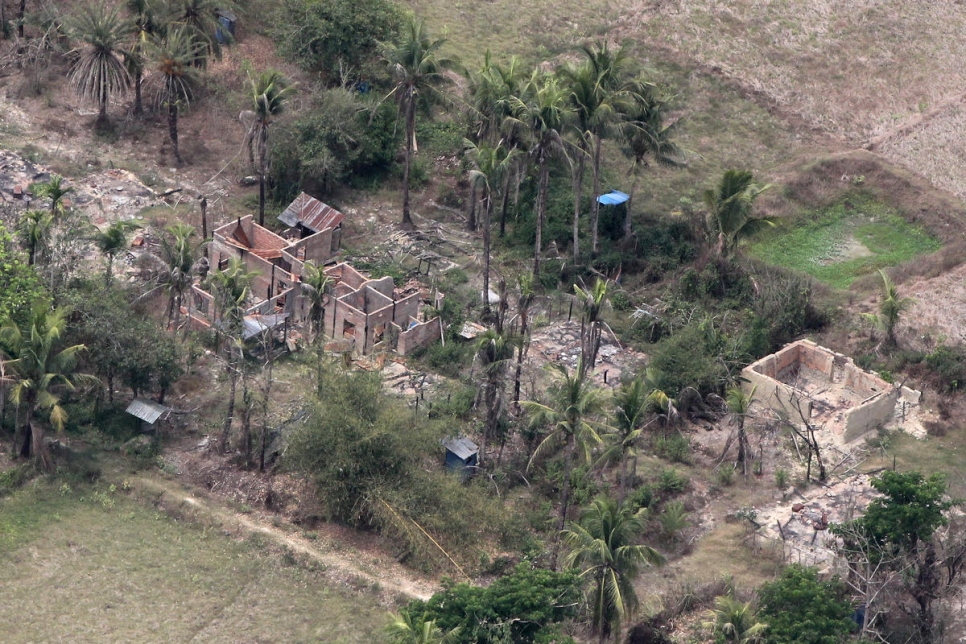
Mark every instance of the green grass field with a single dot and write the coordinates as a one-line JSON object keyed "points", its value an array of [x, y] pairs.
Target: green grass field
{"points": [[852, 238], [92, 565]]}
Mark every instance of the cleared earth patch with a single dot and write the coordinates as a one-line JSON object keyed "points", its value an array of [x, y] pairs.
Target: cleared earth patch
{"points": [[836, 245]]}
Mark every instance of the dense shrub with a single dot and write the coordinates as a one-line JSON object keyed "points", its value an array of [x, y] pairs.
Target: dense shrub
{"points": [[334, 36], [521, 607], [687, 359], [784, 307], [799, 608], [949, 366], [343, 138]]}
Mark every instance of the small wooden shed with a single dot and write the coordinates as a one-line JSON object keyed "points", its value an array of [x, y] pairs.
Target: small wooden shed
{"points": [[461, 454], [148, 412]]}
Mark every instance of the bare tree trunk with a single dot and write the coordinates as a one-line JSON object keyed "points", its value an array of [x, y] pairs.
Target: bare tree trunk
{"points": [[230, 416], [630, 202], [39, 447], [20, 18], [471, 214], [578, 197], [173, 131], [487, 215], [138, 105], [262, 153], [407, 220], [542, 188], [594, 205], [571, 452], [622, 488], [504, 204], [204, 217]]}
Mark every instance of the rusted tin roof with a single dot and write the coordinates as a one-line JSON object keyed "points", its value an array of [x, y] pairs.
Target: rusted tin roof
{"points": [[311, 213]]}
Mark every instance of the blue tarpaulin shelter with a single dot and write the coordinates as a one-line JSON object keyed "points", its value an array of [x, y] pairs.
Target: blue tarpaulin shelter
{"points": [[613, 198]]}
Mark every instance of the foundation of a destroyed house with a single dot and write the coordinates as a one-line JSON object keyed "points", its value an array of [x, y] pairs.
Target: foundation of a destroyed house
{"points": [[808, 383]]}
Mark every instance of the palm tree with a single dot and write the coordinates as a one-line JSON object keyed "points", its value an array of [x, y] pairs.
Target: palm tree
{"points": [[173, 56], [409, 628], [416, 68], [146, 26], [603, 549], [35, 228], [111, 242], [40, 370], [231, 288], [494, 351], [891, 308], [632, 404], [269, 91], [735, 621], [739, 403], [591, 325], [539, 115], [179, 255], [525, 282], [316, 286], [99, 72], [199, 20], [571, 423], [489, 165], [55, 190], [730, 206], [646, 135]]}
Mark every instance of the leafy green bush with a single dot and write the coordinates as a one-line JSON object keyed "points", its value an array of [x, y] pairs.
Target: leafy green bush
{"points": [[672, 482], [343, 138], [334, 36], [673, 519], [522, 607], [688, 359], [799, 608], [642, 497], [949, 365], [673, 447]]}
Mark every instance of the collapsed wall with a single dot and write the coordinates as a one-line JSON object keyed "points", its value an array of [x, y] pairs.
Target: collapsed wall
{"points": [[808, 383]]}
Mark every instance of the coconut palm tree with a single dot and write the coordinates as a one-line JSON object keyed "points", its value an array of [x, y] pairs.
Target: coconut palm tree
{"points": [[410, 628], [35, 227], [603, 547], [146, 25], [494, 350], [525, 283], [111, 242], [891, 308], [316, 286], [98, 73], [172, 57], [40, 370], [489, 165], [646, 136], [571, 424], [735, 621], [591, 325], [199, 20], [539, 116], [631, 408], [730, 206], [739, 403], [269, 91], [55, 190], [179, 256], [417, 70], [231, 288]]}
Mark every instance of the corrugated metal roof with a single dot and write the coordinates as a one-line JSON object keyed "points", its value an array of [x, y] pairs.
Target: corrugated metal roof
{"points": [[311, 213], [462, 447], [255, 324], [146, 410]]}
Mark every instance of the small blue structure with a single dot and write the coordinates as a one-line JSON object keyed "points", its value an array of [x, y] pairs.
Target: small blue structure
{"points": [[613, 198], [225, 32], [461, 454]]}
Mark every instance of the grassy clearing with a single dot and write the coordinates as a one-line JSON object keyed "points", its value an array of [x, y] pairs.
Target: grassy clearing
{"points": [[847, 240], [91, 565]]}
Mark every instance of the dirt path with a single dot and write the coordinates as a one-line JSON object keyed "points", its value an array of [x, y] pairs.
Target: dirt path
{"points": [[342, 563]]}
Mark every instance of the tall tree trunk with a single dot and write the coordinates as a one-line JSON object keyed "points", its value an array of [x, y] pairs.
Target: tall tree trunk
{"points": [[204, 217], [266, 397], [594, 204], [138, 104], [31, 252], [39, 447], [521, 353], [742, 447], [262, 168], [407, 220], [173, 131], [630, 202], [578, 197], [109, 273], [542, 188], [230, 416], [20, 18], [571, 452], [504, 204], [471, 214], [622, 487], [487, 214]]}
